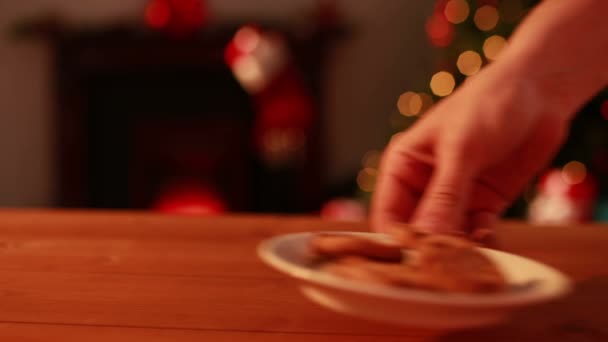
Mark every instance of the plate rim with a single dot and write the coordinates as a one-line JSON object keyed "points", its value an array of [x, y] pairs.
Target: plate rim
{"points": [[265, 251]]}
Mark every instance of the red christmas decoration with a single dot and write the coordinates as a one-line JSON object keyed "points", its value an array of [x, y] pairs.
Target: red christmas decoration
{"points": [[439, 30], [563, 197], [283, 123], [176, 17], [260, 61], [245, 41]]}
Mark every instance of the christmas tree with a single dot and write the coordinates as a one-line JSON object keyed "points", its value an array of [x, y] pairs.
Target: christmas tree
{"points": [[468, 35]]}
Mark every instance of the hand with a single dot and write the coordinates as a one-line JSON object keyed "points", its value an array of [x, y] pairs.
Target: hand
{"points": [[462, 164]]}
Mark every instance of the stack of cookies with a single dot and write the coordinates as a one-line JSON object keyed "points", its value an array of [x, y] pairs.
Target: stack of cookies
{"points": [[414, 260]]}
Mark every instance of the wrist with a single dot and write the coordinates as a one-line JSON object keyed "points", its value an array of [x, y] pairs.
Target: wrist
{"points": [[530, 92]]}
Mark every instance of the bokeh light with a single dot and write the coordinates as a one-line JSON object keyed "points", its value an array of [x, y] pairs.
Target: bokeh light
{"points": [[574, 172], [456, 11], [439, 30], [493, 46], [404, 104], [415, 104], [486, 17], [469, 63], [442, 83], [366, 180], [246, 39], [249, 72]]}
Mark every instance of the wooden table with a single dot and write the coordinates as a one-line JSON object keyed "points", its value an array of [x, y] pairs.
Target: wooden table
{"points": [[102, 276]]}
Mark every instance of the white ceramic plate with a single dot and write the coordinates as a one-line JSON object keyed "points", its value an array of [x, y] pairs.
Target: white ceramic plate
{"points": [[531, 283]]}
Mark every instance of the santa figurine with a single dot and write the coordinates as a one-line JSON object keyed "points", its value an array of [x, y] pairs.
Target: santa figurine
{"points": [[564, 196]]}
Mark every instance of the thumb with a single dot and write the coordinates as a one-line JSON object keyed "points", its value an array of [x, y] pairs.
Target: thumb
{"points": [[443, 204]]}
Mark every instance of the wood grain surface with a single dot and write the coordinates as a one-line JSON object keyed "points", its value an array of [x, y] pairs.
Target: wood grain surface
{"points": [[129, 276]]}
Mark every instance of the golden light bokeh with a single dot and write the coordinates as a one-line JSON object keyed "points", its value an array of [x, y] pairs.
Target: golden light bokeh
{"points": [[249, 72], [415, 104], [403, 104], [493, 46], [469, 63], [409, 103], [442, 83], [366, 179], [574, 172], [456, 11], [486, 17]]}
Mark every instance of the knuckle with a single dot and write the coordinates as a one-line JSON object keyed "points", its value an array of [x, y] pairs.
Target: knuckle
{"points": [[445, 196]]}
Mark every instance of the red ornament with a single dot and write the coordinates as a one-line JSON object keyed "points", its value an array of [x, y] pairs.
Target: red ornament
{"points": [[439, 30], [177, 17]]}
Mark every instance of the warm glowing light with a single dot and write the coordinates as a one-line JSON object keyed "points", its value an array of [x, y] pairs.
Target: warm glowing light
{"points": [[469, 63], [249, 72], [403, 104], [486, 18], [442, 83], [410, 103], [574, 172], [456, 11], [371, 159], [493, 46], [367, 179], [189, 199], [246, 39], [415, 104]]}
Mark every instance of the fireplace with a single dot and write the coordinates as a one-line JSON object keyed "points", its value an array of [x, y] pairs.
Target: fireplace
{"points": [[145, 121]]}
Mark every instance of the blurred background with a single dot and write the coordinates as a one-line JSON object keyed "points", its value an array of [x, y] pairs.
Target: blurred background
{"points": [[206, 107]]}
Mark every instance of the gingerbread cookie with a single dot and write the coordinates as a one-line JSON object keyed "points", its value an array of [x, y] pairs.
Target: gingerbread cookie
{"points": [[442, 263], [338, 245]]}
